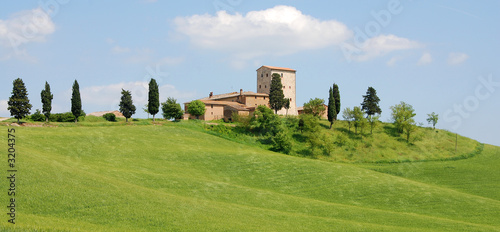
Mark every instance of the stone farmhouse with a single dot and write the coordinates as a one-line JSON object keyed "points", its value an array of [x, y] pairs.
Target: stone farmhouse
{"points": [[222, 106]]}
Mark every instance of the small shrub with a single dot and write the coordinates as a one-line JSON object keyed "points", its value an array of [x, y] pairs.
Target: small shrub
{"points": [[282, 142], [220, 129], [328, 144], [342, 140], [37, 116], [292, 123], [110, 117], [244, 121], [62, 117]]}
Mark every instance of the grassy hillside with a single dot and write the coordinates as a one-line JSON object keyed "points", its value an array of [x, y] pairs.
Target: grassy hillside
{"points": [[173, 178], [384, 145], [388, 146]]}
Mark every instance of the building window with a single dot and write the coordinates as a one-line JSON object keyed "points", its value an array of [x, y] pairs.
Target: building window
{"points": [[212, 106], [290, 99], [264, 98], [262, 75], [284, 87], [267, 74], [260, 86], [290, 87], [265, 86], [255, 97], [212, 113], [281, 75]]}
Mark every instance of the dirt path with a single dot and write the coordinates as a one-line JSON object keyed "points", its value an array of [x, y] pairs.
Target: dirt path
{"points": [[3, 119]]}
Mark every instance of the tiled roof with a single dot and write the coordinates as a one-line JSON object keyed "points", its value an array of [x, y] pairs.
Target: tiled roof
{"points": [[234, 105], [234, 94], [278, 68]]}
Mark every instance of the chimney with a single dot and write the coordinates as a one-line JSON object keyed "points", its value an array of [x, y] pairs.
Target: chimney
{"points": [[241, 92], [211, 94]]}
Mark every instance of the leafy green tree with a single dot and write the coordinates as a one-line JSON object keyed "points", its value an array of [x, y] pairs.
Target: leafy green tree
{"points": [[76, 101], [172, 109], [310, 123], [403, 118], [332, 109], [37, 116], [315, 107], [373, 121], [276, 96], [47, 97], [196, 108], [282, 142], [348, 116], [265, 122], [312, 131], [336, 96], [433, 119], [127, 107], [19, 104], [359, 119], [370, 102], [153, 98]]}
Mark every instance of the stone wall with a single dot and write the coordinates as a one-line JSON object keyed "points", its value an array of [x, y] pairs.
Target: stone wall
{"points": [[288, 80]]}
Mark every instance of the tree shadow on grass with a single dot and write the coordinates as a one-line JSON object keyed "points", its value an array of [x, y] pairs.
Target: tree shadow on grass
{"points": [[299, 137], [393, 132], [306, 152], [325, 126]]}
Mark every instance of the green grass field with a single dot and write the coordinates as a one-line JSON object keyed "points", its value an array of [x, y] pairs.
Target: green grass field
{"points": [[171, 177]]}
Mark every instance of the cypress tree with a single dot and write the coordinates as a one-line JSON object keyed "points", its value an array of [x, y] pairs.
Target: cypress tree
{"points": [[153, 98], [276, 96], [370, 102], [127, 107], [19, 104], [332, 110], [287, 105], [47, 97], [336, 96], [76, 101]]}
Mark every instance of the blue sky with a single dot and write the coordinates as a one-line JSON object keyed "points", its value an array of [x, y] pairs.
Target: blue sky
{"points": [[438, 56]]}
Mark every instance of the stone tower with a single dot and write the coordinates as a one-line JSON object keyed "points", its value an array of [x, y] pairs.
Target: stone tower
{"points": [[264, 76]]}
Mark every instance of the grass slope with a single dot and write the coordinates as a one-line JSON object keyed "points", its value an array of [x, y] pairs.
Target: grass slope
{"points": [[172, 178], [387, 145]]}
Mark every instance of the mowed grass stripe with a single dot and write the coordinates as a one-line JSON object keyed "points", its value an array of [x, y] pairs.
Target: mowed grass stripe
{"points": [[477, 176]]}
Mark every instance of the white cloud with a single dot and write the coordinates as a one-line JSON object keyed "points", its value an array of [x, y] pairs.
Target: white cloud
{"points": [[456, 58], [107, 97], [381, 45], [393, 60], [4, 112], [280, 30], [117, 49], [22, 28], [426, 58]]}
